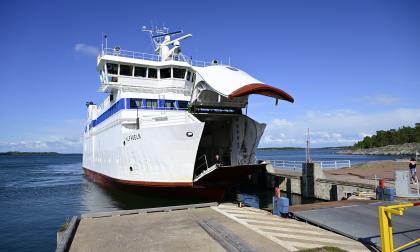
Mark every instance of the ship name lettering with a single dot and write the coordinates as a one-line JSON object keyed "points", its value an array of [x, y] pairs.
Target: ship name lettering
{"points": [[133, 137]]}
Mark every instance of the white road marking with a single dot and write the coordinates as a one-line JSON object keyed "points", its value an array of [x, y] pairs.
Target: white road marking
{"points": [[291, 234]]}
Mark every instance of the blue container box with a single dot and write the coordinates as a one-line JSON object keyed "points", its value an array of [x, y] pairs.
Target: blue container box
{"points": [[280, 206], [389, 193]]}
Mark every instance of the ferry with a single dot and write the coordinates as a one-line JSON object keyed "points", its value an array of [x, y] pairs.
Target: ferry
{"points": [[172, 123]]}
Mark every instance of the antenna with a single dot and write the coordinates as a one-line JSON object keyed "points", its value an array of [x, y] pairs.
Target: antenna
{"points": [[106, 41], [161, 40], [308, 147]]}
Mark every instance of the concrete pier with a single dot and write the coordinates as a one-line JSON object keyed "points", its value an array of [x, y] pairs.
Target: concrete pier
{"points": [[311, 182], [203, 227]]}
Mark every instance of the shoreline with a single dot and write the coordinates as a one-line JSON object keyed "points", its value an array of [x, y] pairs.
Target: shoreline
{"points": [[407, 149]]}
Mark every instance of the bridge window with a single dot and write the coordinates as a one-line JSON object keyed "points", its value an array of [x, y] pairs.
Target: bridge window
{"points": [[152, 73], [179, 73], [165, 73], [193, 77], [151, 103], [135, 103], [112, 68], [169, 104], [140, 71], [189, 75], [126, 70], [182, 104]]}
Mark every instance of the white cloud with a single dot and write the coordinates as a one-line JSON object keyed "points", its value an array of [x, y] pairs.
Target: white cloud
{"points": [[282, 123], [86, 49], [336, 127], [65, 145], [382, 99]]}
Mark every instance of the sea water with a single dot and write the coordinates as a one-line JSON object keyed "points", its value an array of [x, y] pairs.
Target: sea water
{"points": [[38, 193]]}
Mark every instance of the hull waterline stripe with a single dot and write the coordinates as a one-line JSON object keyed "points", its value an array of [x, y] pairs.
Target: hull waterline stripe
{"points": [[103, 177]]}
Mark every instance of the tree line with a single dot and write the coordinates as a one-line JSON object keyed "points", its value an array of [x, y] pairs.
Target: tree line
{"points": [[393, 136]]}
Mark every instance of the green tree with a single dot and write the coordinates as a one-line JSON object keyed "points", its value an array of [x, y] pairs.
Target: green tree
{"points": [[392, 136]]}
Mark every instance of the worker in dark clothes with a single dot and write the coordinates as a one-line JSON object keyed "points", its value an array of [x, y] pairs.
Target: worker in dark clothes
{"points": [[413, 172]]}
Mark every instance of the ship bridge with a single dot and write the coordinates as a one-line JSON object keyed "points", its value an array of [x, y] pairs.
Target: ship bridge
{"points": [[145, 73]]}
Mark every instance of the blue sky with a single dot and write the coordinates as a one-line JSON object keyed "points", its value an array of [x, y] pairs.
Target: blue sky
{"points": [[353, 67]]}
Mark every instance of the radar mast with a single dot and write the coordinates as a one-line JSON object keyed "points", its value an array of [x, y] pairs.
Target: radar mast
{"points": [[161, 40]]}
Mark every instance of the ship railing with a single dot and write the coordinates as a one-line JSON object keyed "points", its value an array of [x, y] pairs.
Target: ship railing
{"points": [[204, 162], [297, 165], [152, 57], [130, 54], [151, 90]]}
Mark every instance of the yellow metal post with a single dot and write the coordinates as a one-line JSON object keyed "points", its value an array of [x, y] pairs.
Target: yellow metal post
{"points": [[383, 225], [390, 239]]}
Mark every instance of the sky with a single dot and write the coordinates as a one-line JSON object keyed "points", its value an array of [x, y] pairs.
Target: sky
{"points": [[353, 67]]}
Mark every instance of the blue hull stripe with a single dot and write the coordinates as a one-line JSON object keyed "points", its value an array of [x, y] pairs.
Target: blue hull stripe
{"points": [[128, 103]]}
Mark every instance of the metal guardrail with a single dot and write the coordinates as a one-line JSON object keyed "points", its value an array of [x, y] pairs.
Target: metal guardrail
{"points": [[297, 165], [151, 57], [204, 163], [385, 226]]}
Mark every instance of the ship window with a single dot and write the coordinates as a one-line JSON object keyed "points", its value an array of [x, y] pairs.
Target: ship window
{"points": [[126, 70], [179, 73], [151, 103], [135, 103], [152, 73], [193, 77], [189, 75], [169, 104], [112, 68], [140, 71], [182, 104], [165, 73]]}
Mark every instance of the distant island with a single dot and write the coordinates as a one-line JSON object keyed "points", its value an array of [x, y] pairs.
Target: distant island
{"points": [[281, 148], [383, 138], [407, 149], [23, 153], [401, 141], [301, 148]]}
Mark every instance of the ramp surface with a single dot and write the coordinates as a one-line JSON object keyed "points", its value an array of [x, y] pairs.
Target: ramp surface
{"points": [[361, 222]]}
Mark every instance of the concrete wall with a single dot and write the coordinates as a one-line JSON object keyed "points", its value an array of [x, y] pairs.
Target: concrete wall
{"points": [[311, 184], [337, 190]]}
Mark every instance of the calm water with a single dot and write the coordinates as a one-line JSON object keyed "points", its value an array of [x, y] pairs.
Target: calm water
{"points": [[37, 193]]}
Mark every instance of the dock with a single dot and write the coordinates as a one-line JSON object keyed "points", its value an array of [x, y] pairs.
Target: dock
{"points": [[199, 227], [358, 220]]}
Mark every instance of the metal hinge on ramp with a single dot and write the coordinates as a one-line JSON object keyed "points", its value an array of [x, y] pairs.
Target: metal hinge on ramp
{"points": [[226, 238]]}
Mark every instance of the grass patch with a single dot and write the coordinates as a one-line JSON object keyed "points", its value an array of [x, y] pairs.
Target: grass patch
{"points": [[65, 225], [323, 249]]}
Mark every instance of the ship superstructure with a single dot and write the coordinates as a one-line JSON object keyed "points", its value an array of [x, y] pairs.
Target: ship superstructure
{"points": [[170, 122]]}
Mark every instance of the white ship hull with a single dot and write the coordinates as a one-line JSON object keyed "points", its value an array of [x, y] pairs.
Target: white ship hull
{"points": [[162, 154]]}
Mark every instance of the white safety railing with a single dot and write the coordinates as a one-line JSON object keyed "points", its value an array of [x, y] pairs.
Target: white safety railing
{"points": [[152, 57], [297, 165]]}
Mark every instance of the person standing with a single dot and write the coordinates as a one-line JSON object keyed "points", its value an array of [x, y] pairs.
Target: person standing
{"points": [[413, 172]]}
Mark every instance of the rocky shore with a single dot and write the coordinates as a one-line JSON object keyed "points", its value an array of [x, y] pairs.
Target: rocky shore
{"points": [[403, 149]]}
